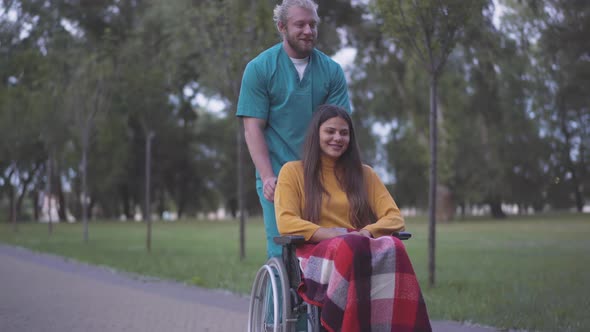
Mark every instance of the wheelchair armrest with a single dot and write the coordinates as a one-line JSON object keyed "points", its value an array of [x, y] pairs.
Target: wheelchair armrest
{"points": [[298, 239], [402, 235], [289, 239]]}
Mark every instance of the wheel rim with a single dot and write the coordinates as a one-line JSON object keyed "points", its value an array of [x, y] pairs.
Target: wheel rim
{"points": [[274, 270], [287, 321]]}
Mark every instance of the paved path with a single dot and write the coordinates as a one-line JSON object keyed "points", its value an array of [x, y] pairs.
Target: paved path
{"points": [[46, 293]]}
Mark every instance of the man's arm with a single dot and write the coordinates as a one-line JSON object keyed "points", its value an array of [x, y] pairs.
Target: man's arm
{"points": [[254, 133]]}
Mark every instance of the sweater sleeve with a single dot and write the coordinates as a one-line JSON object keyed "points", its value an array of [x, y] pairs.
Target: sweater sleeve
{"points": [[389, 217], [289, 202]]}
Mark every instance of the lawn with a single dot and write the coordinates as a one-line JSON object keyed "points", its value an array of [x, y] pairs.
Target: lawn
{"points": [[525, 272]]}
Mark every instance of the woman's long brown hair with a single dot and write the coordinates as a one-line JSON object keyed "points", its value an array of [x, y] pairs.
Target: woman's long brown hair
{"points": [[348, 168]]}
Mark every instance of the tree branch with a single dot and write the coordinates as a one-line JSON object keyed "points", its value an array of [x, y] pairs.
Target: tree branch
{"points": [[409, 33]]}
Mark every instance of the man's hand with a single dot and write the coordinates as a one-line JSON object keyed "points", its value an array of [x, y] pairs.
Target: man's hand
{"points": [[268, 188]]}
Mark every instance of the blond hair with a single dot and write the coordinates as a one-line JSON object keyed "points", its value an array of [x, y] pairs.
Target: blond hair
{"points": [[280, 14]]}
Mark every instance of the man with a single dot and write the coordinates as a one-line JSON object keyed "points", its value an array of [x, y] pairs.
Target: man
{"points": [[281, 88]]}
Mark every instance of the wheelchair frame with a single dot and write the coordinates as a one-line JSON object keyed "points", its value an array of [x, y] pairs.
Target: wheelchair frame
{"points": [[282, 278]]}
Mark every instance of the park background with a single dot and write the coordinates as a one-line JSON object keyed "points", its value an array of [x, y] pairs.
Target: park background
{"points": [[109, 109]]}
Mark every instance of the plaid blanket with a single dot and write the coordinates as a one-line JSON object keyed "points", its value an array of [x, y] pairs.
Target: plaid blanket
{"points": [[362, 284]]}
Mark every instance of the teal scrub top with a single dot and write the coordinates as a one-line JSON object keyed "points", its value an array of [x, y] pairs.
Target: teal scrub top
{"points": [[271, 90]]}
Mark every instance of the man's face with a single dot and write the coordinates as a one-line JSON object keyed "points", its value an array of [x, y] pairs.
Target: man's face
{"points": [[300, 33]]}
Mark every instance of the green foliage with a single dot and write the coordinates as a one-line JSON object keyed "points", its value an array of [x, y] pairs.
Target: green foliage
{"points": [[428, 28], [409, 158], [552, 35], [513, 112], [232, 33]]}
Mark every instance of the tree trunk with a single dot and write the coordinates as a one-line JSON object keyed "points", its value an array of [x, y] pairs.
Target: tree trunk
{"points": [[180, 208], [35, 201], [147, 208], [182, 197], [124, 191], [19, 203], [17, 213], [161, 203], [579, 200], [583, 176], [48, 193], [241, 198], [13, 210], [61, 199], [232, 205], [11, 198], [462, 206], [25, 182], [570, 164], [433, 181], [57, 188], [496, 209], [84, 168], [577, 191], [91, 203]]}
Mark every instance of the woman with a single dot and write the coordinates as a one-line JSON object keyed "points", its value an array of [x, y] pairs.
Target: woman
{"points": [[359, 274]]}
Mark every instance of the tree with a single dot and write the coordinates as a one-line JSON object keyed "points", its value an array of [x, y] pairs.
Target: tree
{"points": [[552, 33], [566, 64], [146, 83], [20, 147], [236, 32], [430, 29], [89, 96]]}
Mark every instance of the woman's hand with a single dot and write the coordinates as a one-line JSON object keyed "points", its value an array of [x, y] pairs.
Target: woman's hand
{"points": [[362, 232], [325, 233]]}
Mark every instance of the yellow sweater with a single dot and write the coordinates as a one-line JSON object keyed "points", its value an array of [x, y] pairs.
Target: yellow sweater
{"points": [[290, 200]]}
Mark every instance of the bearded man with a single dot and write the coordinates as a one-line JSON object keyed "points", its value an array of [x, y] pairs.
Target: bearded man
{"points": [[281, 88]]}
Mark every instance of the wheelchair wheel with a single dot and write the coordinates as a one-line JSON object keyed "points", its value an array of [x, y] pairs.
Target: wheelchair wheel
{"points": [[270, 303]]}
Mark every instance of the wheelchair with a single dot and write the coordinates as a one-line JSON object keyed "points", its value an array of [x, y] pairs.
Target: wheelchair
{"points": [[275, 304]]}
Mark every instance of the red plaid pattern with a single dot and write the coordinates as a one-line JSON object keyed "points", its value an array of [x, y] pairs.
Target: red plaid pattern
{"points": [[363, 285]]}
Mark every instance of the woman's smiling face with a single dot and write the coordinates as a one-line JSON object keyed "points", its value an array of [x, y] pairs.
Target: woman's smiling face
{"points": [[334, 137]]}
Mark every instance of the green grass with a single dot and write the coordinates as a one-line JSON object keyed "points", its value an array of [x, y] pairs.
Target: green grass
{"points": [[201, 253], [526, 272]]}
